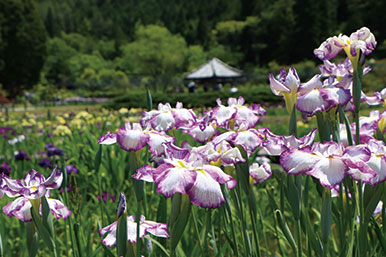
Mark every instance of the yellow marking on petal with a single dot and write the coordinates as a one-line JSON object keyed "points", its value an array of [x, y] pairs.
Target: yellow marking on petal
{"points": [[202, 171], [232, 124], [181, 163], [382, 124], [217, 163]]}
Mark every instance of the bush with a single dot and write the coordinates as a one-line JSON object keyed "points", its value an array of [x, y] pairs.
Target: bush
{"points": [[260, 95]]}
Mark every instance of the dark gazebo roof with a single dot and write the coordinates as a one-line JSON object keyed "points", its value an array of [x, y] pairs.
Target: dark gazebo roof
{"points": [[214, 70]]}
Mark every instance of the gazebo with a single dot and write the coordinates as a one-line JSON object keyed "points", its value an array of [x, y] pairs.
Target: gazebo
{"points": [[215, 73]]}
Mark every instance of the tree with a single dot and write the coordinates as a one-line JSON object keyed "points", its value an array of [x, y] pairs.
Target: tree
{"points": [[155, 53], [57, 68], [23, 45]]}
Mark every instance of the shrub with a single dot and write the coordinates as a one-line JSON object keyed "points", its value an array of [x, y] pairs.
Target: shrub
{"points": [[260, 95]]}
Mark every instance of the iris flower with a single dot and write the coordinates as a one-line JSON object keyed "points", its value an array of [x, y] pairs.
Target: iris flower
{"points": [[166, 117], [34, 187], [340, 70], [249, 139], [145, 226], [288, 85], [236, 114], [326, 162], [374, 165], [315, 98], [261, 172], [378, 98], [276, 145], [186, 173], [360, 41], [134, 138], [202, 130]]}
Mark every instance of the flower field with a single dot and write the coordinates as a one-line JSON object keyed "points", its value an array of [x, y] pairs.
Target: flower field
{"points": [[225, 181]]}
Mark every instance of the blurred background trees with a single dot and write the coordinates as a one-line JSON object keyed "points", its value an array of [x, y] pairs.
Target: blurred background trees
{"points": [[94, 44], [22, 45]]}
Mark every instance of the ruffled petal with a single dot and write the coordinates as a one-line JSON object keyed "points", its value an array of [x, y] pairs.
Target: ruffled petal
{"points": [[145, 173], [276, 86], [206, 192], [311, 102], [131, 140], [329, 171], [156, 141], [171, 180], [58, 209], [20, 208], [108, 139], [261, 172], [217, 174], [296, 161], [54, 180]]}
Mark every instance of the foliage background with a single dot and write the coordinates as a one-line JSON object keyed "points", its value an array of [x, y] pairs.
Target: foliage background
{"points": [[116, 45]]}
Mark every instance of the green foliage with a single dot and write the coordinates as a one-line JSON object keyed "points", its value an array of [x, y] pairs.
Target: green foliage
{"points": [[155, 52], [260, 95], [22, 50], [57, 68]]}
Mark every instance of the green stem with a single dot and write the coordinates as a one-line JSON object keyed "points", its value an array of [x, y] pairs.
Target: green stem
{"points": [[299, 239], [197, 231], [138, 220], [228, 210]]}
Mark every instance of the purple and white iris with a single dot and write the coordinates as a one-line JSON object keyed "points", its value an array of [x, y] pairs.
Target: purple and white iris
{"points": [[315, 97], [236, 114], [249, 139], [34, 187], [375, 165], [378, 98], [187, 173], [360, 41], [276, 145], [134, 138], [340, 70], [328, 162], [166, 117], [202, 131], [288, 85], [261, 172], [145, 226]]}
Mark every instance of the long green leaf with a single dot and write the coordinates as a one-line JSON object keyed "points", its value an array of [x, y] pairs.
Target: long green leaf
{"points": [[181, 221], [293, 196], [293, 129], [48, 240], [326, 216], [32, 240], [122, 235], [286, 231], [149, 100], [159, 245]]}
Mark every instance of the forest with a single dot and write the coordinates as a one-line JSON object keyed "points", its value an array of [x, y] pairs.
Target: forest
{"points": [[95, 44]]}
